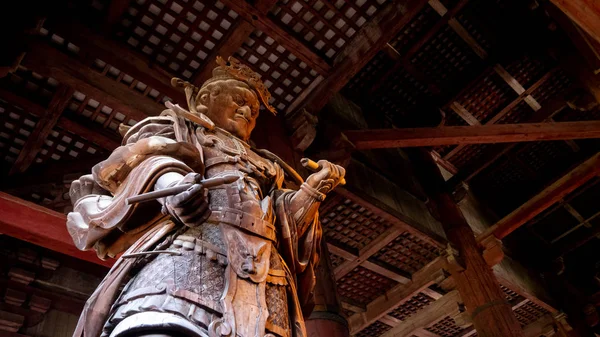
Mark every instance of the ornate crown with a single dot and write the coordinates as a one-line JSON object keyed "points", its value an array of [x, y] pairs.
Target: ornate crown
{"points": [[230, 69], [234, 68]]}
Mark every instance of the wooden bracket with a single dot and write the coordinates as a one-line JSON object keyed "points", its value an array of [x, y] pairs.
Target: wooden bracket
{"points": [[492, 250], [455, 262]]}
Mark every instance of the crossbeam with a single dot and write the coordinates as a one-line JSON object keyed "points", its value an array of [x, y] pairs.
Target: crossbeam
{"points": [[50, 62], [44, 126], [433, 313], [584, 12], [29, 222], [399, 294], [476, 134], [546, 198], [368, 42]]}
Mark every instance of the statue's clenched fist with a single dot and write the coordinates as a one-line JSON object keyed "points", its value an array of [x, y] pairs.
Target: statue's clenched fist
{"points": [[327, 178], [191, 206]]}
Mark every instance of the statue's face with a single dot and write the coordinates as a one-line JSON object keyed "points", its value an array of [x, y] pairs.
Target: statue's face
{"points": [[232, 106]]}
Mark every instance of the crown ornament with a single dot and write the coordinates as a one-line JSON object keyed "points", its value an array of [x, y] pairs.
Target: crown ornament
{"points": [[243, 73], [227, 70]]}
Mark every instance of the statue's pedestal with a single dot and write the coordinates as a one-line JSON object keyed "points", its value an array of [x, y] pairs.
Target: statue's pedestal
{"points": [[326, 324]]}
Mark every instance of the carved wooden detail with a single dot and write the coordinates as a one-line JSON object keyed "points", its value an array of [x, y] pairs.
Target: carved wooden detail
{"points": [[215, 241]]}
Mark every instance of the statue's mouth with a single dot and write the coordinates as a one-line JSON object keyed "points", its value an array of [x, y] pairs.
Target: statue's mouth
{"points": [[242, 117]]}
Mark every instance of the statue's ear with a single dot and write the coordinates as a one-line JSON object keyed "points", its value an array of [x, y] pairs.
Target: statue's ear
{"points": [[204, 98], [201, 103]]}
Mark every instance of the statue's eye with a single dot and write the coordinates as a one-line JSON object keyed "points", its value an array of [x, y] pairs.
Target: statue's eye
{"points": [[239, 100]]}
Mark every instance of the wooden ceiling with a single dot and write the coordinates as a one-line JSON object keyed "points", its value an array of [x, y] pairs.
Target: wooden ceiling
{"points": [[84, 67]]}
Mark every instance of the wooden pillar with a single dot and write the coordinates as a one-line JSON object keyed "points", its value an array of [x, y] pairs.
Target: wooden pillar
{"points": [[485, 302], [326, 319]]}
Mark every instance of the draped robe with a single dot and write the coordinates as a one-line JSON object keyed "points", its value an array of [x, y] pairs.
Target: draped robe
{"points": [[169, 143]]}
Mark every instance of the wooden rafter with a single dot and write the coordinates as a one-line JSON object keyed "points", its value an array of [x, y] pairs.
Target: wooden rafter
{"points": [[44, 126], [546, 198], [100, 137], [402, 61], [351, 261], [96, 46], [375, 310], [393, 217], [586, 13], [50, 62], [522, 96], [447, 305], [497, 151], [373, 37], [449, 135], [260, 20], [464, 114], [230, 43], [516, 86], [373, 247], [585, 44], [439, 7]]}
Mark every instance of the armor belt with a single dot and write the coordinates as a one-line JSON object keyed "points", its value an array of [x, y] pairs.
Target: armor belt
{"points": [[245, 221]]}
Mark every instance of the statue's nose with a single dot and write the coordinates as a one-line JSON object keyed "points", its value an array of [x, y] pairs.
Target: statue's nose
{"points": [[245, 111], [249, 267]]}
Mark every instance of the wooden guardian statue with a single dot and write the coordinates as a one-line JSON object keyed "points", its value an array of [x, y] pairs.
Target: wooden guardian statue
{"points": [[212, 242]]}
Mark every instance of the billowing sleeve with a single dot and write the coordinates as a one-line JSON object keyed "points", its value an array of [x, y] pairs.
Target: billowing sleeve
{"points": [[151, 148], [299, 243]]}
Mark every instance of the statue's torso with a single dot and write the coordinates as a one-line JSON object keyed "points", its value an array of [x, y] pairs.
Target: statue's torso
{"points": [[228, 270]]}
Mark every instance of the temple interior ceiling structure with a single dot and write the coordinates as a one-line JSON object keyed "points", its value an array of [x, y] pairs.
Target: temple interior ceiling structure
{"points": [[502, 94]]}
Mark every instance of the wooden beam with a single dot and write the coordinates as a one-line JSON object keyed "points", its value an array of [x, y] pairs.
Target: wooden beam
{"points": [[231, 42], [431, 314], [351, 259], [497, 151], [400, 278], [403, 60], [262, 21], [96, 135], [373, 247], [464, 114], [586, 13], [428, 275], [439, 7], [449, 135], [41, 226], [391, 216], [373, 37], [585, 44], [546, 198], [390, 320], [42, 129], [510, 107], [94, 45], [50, 62], [517, 87], [102, 137], [421, 332]]}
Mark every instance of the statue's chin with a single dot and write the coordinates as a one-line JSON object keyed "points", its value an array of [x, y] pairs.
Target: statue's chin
{"points": [[238, 128]]}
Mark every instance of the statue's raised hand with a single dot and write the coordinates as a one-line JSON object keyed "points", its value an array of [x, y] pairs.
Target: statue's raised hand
{"points": [[327, 178], [191, 206]]}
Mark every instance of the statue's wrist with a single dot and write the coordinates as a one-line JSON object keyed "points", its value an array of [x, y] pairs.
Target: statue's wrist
{"points": [[312, 192]]}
